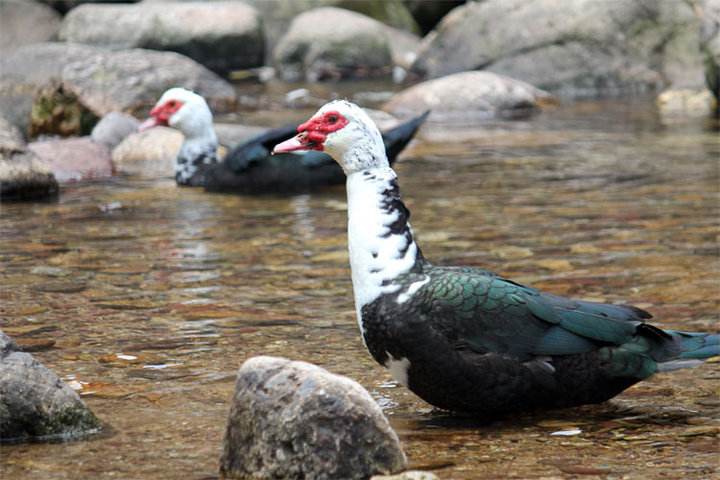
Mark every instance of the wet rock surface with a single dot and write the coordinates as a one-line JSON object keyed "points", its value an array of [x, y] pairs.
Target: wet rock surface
{"points": [[222, 35], [26, 21], [74, 159], [113, 128], [106, 80], [296, 420], [34, 402], [581, 47], [467, 96], [22, 175], [350, 45]]}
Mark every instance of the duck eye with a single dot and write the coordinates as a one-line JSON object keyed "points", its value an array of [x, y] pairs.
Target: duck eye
{"points": [[171, 103], [332, 119]]}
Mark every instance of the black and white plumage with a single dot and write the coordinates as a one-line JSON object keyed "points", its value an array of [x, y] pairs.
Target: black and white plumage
{"points": [[466, 339], [250, 167]]}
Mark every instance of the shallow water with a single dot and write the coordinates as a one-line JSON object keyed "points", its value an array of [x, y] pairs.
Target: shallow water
{"points": [[598, 200]]}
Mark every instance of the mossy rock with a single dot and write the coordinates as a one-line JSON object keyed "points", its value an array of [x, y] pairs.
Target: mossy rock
{"points": [[56, 111]]}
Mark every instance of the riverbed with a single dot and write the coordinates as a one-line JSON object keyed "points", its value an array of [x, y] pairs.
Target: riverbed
{"points": [[147, 297]]}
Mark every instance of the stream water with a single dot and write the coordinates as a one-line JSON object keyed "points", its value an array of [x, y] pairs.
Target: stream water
{"points": [[598, 200]]}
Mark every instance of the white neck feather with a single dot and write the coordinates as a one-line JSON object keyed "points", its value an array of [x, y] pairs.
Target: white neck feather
{"points": [[379, 239]]}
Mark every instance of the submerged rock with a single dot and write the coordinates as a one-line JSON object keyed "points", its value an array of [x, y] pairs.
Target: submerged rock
{"points": [[74, 159], [34, 402], [584, 47], [113, 128], [222, 36], [106, 80], [295, 420], [467, 96], [25, 21], [350, 45]]}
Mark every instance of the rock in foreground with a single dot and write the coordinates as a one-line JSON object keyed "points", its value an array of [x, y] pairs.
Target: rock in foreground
{"points": [[295, 420], [34, 402], [469, 96]]}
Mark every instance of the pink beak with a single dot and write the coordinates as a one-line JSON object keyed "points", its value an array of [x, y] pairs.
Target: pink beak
{"points": [[149, 123], [291, 145]]}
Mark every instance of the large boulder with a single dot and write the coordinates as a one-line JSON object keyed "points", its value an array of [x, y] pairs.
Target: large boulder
{"points": [[277, 14], [349, 45], [294, 420], [223, 36], [34, 402], [26, 21], [469, 96], [584, 47], [105, 80], [74, 159], [22, 175]]}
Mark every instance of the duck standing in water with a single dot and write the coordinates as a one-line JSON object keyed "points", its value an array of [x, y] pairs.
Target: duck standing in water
{"points": [[250, 167], [465, 339]]}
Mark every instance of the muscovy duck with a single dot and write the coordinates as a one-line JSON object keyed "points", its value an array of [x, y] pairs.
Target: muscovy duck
{"points": [[250, 167], [466, 339]]}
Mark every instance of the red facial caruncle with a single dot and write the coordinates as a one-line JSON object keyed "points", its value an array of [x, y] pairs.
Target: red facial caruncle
{"points": [[313, 133], [160, 114]]}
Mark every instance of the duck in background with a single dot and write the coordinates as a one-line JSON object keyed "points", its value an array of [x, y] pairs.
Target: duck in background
{"points": [[250, 167], [466, 339]]}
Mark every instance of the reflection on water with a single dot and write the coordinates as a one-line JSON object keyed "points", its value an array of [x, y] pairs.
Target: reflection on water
{"points": [[148, 297]]}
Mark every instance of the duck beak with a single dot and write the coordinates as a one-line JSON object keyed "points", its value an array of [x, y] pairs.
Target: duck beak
{"points": [[149, 123], [298, 142]]}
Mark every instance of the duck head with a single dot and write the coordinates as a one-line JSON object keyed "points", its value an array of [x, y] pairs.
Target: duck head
{"points": [[345, 132], [184, 110]]}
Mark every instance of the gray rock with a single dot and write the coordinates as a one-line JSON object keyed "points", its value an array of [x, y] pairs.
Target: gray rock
{"points": [[469, 96], [294, 420], [223, 35], [74, 159], [24, 177], [584, 47], [350, 45], [277, 14], [113, 128], [34, 402], [105, 80], [25, 21], [148, 154]]}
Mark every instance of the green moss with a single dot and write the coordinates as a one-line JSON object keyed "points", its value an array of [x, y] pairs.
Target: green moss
{"points": [[57, 112]]}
